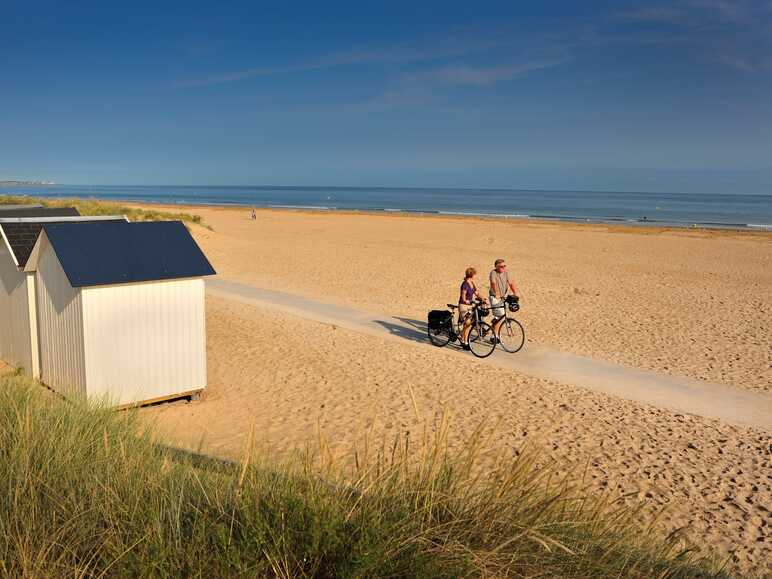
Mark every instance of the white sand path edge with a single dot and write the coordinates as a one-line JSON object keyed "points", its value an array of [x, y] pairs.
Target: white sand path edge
{"points": [[670, 392]]}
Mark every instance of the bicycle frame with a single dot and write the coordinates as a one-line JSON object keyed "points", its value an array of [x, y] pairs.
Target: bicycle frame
{"points": [[457, 327], [497, 320], [482, 343], [510, 322]]}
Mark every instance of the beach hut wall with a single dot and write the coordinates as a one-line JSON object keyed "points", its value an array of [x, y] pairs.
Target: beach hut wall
{"points": [[121, 310], [15, 339]]}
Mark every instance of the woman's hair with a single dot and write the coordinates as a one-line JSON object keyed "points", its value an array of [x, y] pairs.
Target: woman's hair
{"points": [[470, 271]]}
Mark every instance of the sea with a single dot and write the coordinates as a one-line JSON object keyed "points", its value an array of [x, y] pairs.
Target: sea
{"points": [[723, 211]]}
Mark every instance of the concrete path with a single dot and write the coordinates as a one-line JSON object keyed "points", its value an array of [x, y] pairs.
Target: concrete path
{"points": [[674, 393]]}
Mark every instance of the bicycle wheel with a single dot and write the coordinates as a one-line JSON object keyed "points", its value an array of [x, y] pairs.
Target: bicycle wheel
{"points": [[439, 336], [511, 335], [482, 340]]}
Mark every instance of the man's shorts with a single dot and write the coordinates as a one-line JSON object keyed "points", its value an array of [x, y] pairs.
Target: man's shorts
{"points": [[497, 306]]}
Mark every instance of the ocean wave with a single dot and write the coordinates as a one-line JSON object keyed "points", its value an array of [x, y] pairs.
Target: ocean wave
{"points": [[312, 207]]}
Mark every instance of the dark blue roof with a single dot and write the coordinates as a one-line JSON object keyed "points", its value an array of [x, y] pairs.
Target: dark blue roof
{"points": [[23, 235], [109, 252], [38, 211]]}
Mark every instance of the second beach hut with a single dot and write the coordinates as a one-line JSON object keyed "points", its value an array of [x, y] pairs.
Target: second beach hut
{"points": [[120, 310], [19, 230]]}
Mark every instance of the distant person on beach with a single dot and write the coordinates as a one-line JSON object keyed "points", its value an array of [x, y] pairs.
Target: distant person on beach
{"points": [[501, 286], [253, 217], [466, 303]]}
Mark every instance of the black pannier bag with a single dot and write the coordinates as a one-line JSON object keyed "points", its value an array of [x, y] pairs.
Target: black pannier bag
{"points": [[439, 319], [513, 302]]}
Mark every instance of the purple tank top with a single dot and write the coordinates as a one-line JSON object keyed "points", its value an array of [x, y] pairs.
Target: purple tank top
{"points": [[468, 290]]}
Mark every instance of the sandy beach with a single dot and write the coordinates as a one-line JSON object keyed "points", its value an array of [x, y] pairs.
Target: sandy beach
{"points": [[691, 303], [686, 303]]}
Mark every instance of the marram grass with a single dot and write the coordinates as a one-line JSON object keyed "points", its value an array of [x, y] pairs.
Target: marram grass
{"points": [[87, 492], [97, 207]]}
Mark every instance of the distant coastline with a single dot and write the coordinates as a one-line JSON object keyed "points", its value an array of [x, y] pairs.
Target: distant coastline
{"points": [[683, 210], [26, 183]]}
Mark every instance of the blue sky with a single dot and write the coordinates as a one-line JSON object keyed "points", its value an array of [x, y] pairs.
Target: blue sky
{"points": [[673, 96]]}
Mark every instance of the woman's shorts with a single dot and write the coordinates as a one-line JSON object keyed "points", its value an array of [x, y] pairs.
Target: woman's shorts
{"points": [[463, 310]]}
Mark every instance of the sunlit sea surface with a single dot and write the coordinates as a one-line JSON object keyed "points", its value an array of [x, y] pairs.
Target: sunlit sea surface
{"points": [[682, 209]]}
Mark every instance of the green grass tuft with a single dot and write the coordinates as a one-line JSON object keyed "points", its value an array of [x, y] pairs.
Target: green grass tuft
{"points": [[96, 207], [86, 491]]}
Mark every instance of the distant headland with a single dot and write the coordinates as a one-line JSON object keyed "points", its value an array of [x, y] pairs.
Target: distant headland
{"points": [[25, 183]]}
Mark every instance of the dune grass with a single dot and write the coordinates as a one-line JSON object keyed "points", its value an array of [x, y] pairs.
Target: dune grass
{"points": [[87, 492], [97, 207]]}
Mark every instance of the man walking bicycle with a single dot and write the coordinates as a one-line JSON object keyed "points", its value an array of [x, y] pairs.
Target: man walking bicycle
{"points": [[501, 286]]}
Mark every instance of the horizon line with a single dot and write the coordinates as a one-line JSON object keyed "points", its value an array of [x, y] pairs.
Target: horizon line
{"points": [[386, 187]]}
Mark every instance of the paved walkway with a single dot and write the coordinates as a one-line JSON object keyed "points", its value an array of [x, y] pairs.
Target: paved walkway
{"points": [[674, 393]]}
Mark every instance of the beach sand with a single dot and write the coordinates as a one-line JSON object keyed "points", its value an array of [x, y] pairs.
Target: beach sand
{"points": [[690, 303], [296, 381]]}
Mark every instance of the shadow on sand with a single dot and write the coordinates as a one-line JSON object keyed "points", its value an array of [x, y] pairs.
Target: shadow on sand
{"points": [[413, 330]]}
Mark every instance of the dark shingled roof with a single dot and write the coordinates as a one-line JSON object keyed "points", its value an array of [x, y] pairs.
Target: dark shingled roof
{"points": [[22, 236], [5, 207], [110, 252], [39, 212]]}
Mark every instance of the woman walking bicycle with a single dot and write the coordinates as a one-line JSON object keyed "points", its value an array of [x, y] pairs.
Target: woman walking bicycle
{"points": [[469, 328], [466, 304]]}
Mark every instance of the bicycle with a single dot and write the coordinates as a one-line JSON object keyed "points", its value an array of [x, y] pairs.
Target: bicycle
{"points": [[444, 328], [509, 332]]}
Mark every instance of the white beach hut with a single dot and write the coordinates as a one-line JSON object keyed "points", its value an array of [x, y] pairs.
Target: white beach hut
{"points": [[120, 310], [18, 333]]}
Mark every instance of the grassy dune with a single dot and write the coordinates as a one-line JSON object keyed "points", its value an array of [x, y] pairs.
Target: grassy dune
{"points": [[94, 207], [87, 492]]}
